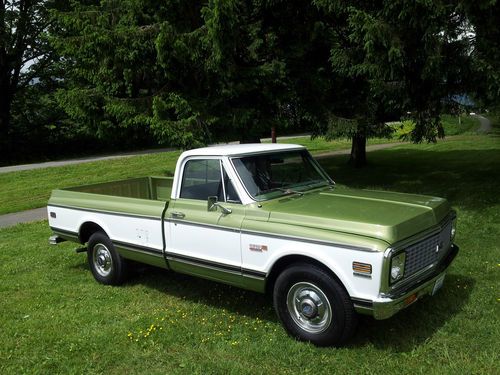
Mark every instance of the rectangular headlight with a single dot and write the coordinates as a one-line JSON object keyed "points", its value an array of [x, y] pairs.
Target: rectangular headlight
{"points": [[453, 228], [398, 266]]}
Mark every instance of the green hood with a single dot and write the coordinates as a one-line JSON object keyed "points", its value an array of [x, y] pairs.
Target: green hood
{"points": [[383, 215]]}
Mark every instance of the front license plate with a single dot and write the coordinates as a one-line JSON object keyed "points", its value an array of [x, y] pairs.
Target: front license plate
{"points": [[438, 284]]}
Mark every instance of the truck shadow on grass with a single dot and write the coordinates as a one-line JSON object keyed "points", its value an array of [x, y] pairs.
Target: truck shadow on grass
{"points": [[402, 333], [416, 324], [206, 292]]}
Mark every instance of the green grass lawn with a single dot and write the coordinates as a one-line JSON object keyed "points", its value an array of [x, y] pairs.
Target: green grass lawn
{"points": [[54, 318], [452, 126]]}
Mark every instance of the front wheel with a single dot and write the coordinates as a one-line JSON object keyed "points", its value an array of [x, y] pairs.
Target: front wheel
{"points": [[313, 306], [107, 266]]}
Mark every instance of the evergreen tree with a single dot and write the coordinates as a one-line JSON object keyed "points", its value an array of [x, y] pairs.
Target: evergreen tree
{"points": [[24, 52], [192, 73], [394, 57], [484, 35]]}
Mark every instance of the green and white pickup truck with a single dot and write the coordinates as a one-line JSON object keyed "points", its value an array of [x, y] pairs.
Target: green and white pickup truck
{"points": [[267, 218]]}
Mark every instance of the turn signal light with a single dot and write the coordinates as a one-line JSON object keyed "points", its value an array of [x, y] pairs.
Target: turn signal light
{"points": [[409, 300], [362, 268]]}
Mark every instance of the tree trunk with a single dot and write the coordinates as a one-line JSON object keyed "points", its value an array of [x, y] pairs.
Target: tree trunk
{"points": [[358, 151], [5, 96], [5, 105]]}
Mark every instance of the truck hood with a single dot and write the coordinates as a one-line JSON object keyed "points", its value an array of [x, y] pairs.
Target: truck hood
{"points": [[387, 216]]}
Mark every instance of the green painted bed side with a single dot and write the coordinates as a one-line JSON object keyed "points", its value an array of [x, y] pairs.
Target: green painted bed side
{"points": [[145, 196], [107, 203], [154, 188]]}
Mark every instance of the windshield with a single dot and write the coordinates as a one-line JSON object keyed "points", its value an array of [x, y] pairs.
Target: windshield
{"points": [[272, 175]]}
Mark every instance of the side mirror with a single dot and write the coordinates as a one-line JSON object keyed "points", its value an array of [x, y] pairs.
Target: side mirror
{"points": [[212, 204]]}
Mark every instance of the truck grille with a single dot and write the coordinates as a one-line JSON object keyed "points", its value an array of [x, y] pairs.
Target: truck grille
{"points": [[424, 253]]}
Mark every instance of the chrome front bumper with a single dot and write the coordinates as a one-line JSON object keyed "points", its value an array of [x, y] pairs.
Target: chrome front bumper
{"points": [[388, 305]]}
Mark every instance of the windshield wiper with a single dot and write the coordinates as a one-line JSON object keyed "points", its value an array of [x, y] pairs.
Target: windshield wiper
{"points": [[286, 191], [290, 191]]}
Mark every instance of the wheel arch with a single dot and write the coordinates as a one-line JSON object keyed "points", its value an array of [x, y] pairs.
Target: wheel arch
{"points": [[282, 263], [87, 229]]}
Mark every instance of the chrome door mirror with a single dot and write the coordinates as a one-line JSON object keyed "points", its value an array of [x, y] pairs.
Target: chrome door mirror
{"points": [[212, 204]]}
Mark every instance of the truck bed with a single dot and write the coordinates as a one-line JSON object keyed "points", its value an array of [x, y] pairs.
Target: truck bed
{"points": [[145, 196], [153, 188]]}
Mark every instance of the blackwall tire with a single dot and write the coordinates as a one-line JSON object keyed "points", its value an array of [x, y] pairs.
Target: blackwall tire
{"points": [[107, 266], [313, 306]]}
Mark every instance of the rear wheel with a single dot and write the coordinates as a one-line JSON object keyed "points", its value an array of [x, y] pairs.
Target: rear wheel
{"points": [[107, 266], [313, 306]]}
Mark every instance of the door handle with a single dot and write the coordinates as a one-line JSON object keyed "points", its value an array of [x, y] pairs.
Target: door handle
{"points": [[177, 215]]}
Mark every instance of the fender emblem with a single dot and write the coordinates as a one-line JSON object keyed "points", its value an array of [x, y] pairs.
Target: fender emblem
{"points": [[259, 248]]}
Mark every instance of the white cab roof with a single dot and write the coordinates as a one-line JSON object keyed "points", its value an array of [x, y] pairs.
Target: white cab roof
{"points": [[240, 149]]}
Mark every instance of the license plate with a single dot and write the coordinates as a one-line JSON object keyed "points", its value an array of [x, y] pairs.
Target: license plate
{"points": [[438, 284]]}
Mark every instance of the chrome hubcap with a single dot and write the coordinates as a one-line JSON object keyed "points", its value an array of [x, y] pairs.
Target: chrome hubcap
{"points": [[309, 307], [103, 262]]}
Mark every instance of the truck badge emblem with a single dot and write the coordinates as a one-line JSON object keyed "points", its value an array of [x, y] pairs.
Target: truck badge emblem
{"points": [[259, 248]]}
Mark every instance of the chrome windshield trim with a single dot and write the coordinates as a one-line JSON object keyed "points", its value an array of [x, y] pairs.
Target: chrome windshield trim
{"points": [[328, 180]]}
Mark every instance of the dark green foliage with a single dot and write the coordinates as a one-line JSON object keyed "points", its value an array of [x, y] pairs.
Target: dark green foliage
{"points": [[25, 59], [484, 17], [193, 73], [115, 74], [392, 58], [110, 68]]}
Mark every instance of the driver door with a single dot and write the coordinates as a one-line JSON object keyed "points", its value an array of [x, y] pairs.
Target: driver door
{"points": [[201, 242]]}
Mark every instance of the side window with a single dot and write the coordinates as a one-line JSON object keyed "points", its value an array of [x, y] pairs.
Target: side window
{"points": [[202, 179]]}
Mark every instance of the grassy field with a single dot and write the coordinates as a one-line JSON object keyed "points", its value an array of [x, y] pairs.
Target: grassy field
{"points": [[25, 190], [451, 125], [54, 318]]}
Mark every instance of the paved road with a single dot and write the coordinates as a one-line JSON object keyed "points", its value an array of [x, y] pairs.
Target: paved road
{"points": [[25, 167], [485, 124], [368, 149], [10, 220]]}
